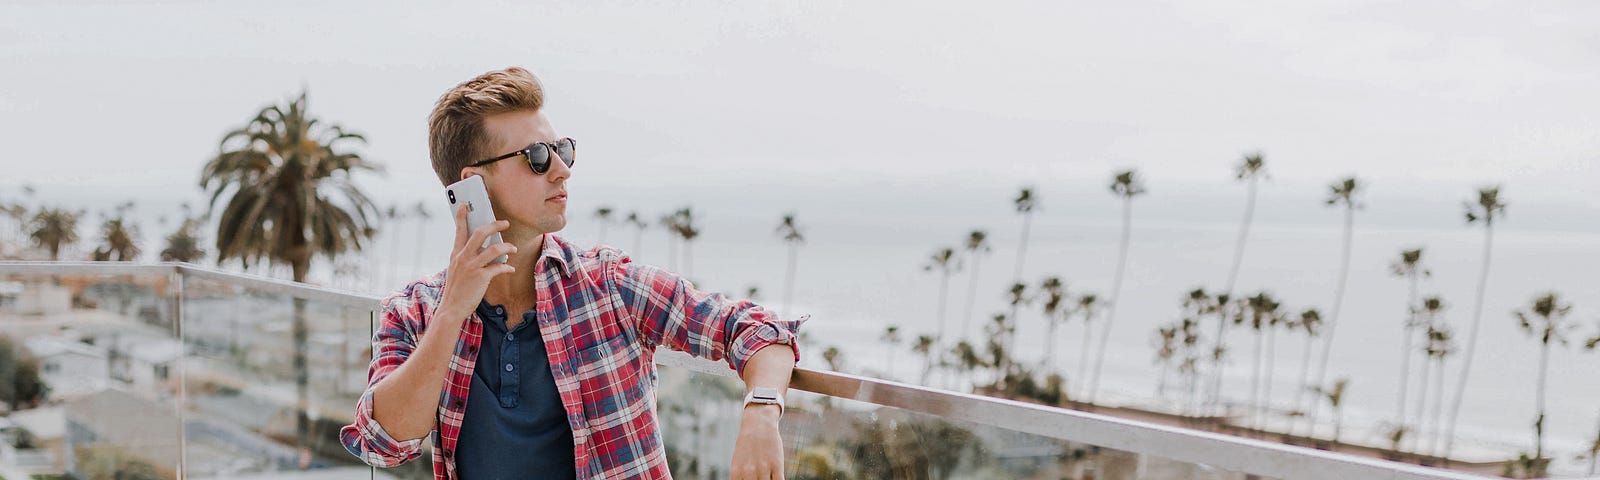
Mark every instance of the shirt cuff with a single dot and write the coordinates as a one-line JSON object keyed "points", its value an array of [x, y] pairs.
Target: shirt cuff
{"points": [[756, 337]]}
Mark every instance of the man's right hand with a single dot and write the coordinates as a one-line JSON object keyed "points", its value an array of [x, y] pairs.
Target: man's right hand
{"points": [[467, 278]]}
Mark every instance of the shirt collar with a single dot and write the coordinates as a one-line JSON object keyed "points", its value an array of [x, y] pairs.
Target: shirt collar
{"points": [[558, 252]]}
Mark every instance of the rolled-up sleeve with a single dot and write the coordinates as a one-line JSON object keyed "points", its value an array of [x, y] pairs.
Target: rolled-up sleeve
{"points": [[670, 312], [392, 343]]}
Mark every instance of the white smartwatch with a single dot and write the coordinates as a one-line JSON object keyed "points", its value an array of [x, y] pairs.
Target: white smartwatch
{"points": [[764, 396]]}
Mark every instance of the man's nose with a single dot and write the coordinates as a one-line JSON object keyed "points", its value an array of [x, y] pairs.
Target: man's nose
{"points": [[558, 168]]}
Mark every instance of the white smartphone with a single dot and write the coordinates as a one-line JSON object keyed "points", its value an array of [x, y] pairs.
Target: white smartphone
{"points": [[479, 213]]}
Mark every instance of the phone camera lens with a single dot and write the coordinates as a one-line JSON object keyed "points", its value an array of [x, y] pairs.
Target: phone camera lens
{"points": [[452, 195]]}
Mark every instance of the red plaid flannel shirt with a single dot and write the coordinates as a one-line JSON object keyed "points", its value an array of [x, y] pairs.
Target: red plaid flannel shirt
{"points": [[601, 317]]}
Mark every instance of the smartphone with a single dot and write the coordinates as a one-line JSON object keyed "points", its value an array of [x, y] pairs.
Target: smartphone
{"points": [[471, 192]]}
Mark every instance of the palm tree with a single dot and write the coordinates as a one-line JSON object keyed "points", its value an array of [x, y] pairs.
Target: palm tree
{"points": [[603, 214], [1125, 184], [1055, 295], [1438, 347], [1341, 193], [790, 233], [977, 246], [1251, 169], [669, 222], [1310, 324], [183, 245], [284, 170], [1334, 394], [1017, 297], [1486, 211], [966, 356], [688, 232], [891, 336], [1546, 320], [1594, 448], [834, 358], [121, 239], [638, 233], [1410, 267], [925, 346], [1197, 305], [1025, 204], [1261, 313], [1088, 306], [1166, 352], [420, 213], [945, 262], [53, 229]]}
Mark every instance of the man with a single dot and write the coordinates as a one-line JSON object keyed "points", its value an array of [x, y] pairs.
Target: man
{"points": [[542, 367]]}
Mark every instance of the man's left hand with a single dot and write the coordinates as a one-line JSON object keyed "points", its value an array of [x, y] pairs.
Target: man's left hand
{"points": [[758, 453]]}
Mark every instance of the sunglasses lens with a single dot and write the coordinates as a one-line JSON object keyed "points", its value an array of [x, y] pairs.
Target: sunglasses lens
{"points": [[538, 158], [566, 148]]}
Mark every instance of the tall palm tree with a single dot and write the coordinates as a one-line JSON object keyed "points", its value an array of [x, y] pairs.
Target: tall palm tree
{"points": [[669, 222], [925, 346], [639, 225], [1341, 194], [291, 197], [603, 214], [1166, 342], [1309, 324], [1055, 295], [1411, 268], [891, 336], [53, 228], [790, 233], [945, 262], [966, 356], [1025, 203], [1546, 320], [1437, 349], [419, 212], [1125, 184], [1261, 313], [1087, 307], [1334, 394], [1018, 297], [977, 246], [1251, 169], [1488, 209], [687, 231], [1197, 306]]}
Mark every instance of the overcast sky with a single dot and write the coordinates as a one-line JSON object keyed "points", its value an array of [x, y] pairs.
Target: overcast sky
{"points": [[1426, 100]]}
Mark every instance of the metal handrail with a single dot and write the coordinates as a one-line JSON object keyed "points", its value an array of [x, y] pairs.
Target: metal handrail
{"points": [[1223, 451]]}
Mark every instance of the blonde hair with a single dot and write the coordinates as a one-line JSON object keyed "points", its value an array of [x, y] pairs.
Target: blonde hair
{"points": [[456, 137]]}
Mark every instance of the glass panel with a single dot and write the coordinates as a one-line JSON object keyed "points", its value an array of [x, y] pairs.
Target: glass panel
{"points": [[254, 358], [106, 349], [832, 438]]}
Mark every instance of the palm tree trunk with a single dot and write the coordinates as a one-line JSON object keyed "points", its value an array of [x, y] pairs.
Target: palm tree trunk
{"points": [[938, 343], [1233, 277], [972, 295], [1266, 385], [1333, 314], [1594, 453], [672, 251], [1472, 343], [1538, 424], [301, 373], [1422, 403], [688, 258], [1022, 249], [1305, 379], [1116, 295], [1406, 351], [788, 279], [1255, 381], [602, 238], [1049, 344], [1083, 355], [1438, 406]]}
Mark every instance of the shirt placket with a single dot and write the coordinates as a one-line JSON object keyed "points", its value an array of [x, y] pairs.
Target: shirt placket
{"points": [[562, 364]]}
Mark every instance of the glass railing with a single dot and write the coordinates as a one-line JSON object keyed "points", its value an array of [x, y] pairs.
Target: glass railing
{"points": [[178, 371]]}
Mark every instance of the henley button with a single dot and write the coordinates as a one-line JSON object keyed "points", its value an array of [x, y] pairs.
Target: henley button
{"points": [[508, 367]]}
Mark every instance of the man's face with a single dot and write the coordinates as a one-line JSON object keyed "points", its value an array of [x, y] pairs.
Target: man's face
{"points": [[525, 199]]}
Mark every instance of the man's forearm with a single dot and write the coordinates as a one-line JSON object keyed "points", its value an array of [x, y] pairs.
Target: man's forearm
{"points": [[770, 367], [405, 402]]}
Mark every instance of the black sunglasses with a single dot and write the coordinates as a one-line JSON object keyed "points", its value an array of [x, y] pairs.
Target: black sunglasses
{"points": [[539, 155]]}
